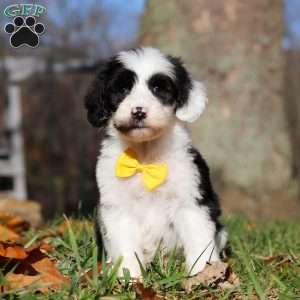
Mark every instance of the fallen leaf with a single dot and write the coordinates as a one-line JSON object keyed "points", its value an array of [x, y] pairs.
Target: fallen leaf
{"points": [[215, 274], [278, 260], [26, 267], [12, 251], [145, 293], [232, 281], [49, 273], [17, 224], [13, 222], [7, 234], [18, 281], [28, 211], [272, 258], [48, 278]]}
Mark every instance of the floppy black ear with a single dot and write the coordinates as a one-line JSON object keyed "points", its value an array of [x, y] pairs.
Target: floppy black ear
{"points": [[97, 113]]}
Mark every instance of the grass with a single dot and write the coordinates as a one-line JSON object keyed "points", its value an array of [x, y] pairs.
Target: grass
{"points": [[265, 256]]}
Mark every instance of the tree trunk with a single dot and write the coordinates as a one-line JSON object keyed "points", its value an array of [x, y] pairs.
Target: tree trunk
{"points": [[235, 48], [292, 108]]}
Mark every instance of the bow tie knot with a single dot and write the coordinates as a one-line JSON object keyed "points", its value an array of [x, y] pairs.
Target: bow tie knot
{"points": [[128, 165]]}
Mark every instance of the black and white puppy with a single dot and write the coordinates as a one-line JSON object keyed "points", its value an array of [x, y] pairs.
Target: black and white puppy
{"points": [[144, 99]]}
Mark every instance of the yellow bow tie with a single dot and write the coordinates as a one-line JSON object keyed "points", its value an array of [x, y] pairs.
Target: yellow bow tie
{"points": [[153, 174]]}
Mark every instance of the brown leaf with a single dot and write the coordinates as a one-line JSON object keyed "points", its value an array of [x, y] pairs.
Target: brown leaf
{"points": [[145, 293], [47, 278], [25, 267], [7, 234], [215, 274], [12, 251], [232, 281], [17, 224], [49, 273], [278, 260], [18, 281], [29, 211], [13, 222], [19, 259]]}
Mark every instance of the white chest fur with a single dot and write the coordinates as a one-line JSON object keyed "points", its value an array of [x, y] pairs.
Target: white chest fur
{"points": [[137, 220]]}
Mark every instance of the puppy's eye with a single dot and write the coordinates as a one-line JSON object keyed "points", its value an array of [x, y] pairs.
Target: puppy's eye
{"points": [[122, 83], [124, 90], [156, 89]]}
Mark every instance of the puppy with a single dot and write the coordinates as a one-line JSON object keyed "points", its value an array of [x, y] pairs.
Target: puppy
{"points": [[154, 185]]}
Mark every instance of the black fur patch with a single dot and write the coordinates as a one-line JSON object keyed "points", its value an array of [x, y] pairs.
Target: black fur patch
{"points": [[209, 197], [113, 82], [182, 81], [99, 238], [163, 87]]}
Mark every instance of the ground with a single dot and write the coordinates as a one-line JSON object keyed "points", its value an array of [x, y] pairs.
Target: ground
{"points": [[265, 255]]}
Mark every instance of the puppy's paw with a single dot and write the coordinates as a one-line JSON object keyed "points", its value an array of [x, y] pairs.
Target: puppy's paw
{"points": [[134, 275], [133, 267]]}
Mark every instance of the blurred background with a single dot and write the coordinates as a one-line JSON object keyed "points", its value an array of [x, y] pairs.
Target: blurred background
{"points": [[246, 52]]}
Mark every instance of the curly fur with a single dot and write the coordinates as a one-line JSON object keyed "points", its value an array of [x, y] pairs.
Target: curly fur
{"points": [[184, 211]]}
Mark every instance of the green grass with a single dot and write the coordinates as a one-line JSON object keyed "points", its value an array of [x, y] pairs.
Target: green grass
{"points": [[249, 247]]}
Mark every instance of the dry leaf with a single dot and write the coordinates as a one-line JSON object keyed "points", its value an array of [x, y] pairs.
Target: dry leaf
{"points": [[146, 293], [12, 251], [13, 222], [7, 234], [279, 259], [48, 277], [215, 274], [271, 258], [31, 267], [28, 211], [18, 281], [17, 224], [232, 281]]}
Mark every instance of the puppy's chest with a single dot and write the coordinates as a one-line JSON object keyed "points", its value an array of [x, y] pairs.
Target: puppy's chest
{"points": [[179, 182]]}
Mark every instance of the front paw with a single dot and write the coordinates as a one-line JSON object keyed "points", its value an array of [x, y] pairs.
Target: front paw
{"points": [[132, 266]]}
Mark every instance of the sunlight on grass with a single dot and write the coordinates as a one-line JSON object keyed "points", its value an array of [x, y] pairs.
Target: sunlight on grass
{"points": [[265, 255]]}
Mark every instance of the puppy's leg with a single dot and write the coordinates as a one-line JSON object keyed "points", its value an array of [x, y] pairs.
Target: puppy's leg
{"points": [[122, 238], [197, 233]]}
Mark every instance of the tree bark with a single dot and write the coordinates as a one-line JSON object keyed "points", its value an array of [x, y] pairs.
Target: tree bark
{"points": [[235, 48]]}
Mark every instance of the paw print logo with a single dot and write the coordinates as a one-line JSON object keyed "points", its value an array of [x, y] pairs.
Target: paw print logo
{"points": [[24, 32]]}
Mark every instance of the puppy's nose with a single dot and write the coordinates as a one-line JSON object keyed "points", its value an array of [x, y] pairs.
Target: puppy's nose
{"points": [[138, 113]]}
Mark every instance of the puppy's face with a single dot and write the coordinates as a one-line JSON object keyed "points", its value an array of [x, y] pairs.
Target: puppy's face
{"points": [[141, 93]]}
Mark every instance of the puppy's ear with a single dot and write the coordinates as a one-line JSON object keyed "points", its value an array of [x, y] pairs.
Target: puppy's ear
{"points": [[194, 104], [94, 101]]}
